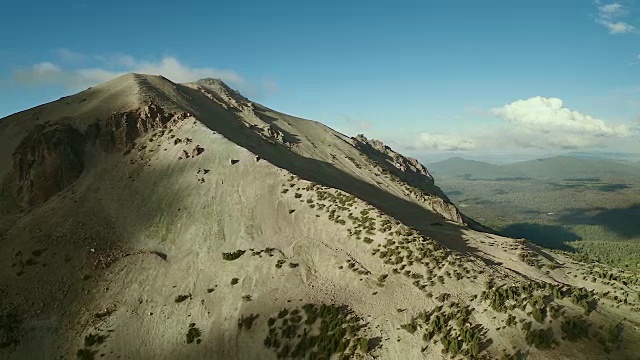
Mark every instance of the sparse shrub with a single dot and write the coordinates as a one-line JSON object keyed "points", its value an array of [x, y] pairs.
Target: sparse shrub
{"points": [[86, 354], [233, 255], [247, 321], [193, 334], [540, 338], [94, 339], [410, 327], [575, 328], [363, 345], [181, 298]]}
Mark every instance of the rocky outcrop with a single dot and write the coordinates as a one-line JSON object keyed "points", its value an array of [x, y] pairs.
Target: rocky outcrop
{"points": [[412, 172], [120, 130], [406, 168], [273, 133], [231, 97], [48, 159]]}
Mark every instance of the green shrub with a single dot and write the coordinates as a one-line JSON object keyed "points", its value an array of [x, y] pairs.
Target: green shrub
{"points": [[181, 298], [233, 255], [410, 327], [363, 344], [86, 354], [94, 339], [540, 338], [575, 328], [193, 334]]}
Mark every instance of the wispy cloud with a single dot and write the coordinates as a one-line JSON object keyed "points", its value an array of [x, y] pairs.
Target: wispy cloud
{"points": [[613, 17], [66, 72], [443, 142]]}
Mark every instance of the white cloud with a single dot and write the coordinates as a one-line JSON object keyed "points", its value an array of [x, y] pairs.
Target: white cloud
{"points": [[548, 115], [534, 123], [612, 10], [443, 142], [610, 16], [44, 72], [617, 27], [111, 66]]}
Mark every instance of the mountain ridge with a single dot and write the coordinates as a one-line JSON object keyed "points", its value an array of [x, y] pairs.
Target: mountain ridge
{"points": [[556, 167], [194, 222]]}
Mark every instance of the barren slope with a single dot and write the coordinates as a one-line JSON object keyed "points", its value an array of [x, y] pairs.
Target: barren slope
{"points": [[143, 219]]}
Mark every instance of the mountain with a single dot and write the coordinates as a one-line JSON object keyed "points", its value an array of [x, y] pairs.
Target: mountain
{"points": [[144, 219], [470, 168], [562, 167], [557, 168]]}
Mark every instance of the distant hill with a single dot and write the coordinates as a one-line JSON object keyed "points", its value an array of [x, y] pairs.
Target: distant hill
{"points": [[458, 166], [558, 168], [569, 167]]}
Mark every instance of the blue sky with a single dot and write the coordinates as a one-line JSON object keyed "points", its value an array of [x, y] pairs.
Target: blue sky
{"points": [[428, 77]]}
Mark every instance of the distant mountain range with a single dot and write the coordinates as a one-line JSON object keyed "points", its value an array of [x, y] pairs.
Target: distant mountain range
{"points": [[558, 167]]}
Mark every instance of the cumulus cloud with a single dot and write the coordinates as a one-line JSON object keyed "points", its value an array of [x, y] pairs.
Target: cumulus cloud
{"points": [[611, 16], [549, 115], [107, 67], [534, 123], [168, 67], [443, 142]]}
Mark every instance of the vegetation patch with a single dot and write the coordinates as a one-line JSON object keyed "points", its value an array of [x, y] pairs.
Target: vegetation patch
{"points": [[193, 334], [233, 255], [91, 340], [452, 328], [246, 322], [181, 298], [316, 332]]}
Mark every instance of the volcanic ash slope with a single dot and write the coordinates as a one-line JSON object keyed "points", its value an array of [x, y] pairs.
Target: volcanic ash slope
{"points": [[143, 219]]}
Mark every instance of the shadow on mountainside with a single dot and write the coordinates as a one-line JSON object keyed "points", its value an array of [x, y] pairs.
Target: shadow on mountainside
{"points": [[76, 226], [548, 236], [613, 187], [623, 221], [323, 173], [84, 234]]}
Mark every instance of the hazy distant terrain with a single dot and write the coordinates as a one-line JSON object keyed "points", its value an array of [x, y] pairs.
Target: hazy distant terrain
{"points": [[568, 203]]}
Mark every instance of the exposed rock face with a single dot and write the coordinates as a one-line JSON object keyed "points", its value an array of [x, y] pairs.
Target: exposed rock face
{"points": [[48, 159], [229, 96], [273, 134], [120, 130], [406, 168], [412, 172]]}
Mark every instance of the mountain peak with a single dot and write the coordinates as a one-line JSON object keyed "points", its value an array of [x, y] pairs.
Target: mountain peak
{"points": [[141, 188]]}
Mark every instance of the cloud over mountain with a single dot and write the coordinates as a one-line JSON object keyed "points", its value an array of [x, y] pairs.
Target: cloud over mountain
{"points": [[78, 71]]}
